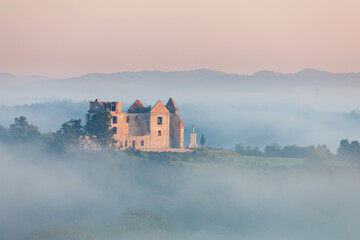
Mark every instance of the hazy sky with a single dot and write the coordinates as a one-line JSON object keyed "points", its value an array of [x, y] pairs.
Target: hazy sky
{"points": [[63, 38]]}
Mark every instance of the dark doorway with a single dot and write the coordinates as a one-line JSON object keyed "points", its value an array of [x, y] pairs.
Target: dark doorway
{"points": [[133, 143]]}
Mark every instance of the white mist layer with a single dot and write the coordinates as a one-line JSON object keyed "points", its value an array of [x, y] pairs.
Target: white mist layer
{"points": [[39, 190]]}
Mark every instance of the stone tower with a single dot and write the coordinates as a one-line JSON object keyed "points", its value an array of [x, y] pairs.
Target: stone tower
{"points": [[193, 139]]}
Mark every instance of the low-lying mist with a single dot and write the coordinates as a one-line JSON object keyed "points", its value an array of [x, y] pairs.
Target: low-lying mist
{"points": [[309, 107], [223, 124], [91, 192], [214, 200]]}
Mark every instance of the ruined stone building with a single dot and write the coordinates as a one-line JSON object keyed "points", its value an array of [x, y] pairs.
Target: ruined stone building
{"points": [[157, 129]]}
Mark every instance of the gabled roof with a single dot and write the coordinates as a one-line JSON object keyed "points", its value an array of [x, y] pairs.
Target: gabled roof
{"points": [[96, 106], [136, 107], [159, 107], [171, 106]]}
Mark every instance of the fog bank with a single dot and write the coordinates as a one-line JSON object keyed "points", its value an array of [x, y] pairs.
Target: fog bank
{"points": [[39, 190]]}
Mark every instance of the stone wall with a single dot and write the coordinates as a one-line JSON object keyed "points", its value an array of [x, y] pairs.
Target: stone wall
{"points": [[159, 133], [176, 132], [157, 129]]}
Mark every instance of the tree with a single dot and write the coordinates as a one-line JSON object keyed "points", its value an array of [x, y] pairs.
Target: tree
{"points": [[320, 153], [99, 128], [240, 148], [148, 108], [349, 150], [202, 140], [255, 151], [273, 150], [21, 130], [294, 151], [70, 132], [354, 148], [344, 147]]}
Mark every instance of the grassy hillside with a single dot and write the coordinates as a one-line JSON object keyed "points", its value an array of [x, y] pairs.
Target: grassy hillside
{"points": [[253, 160], [210, 157]]}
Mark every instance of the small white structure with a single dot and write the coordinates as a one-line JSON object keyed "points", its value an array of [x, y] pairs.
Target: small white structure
{"points": [[193, 139]]}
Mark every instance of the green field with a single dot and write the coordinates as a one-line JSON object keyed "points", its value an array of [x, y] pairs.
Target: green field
{"points": [[208, 158], [236, 158]]}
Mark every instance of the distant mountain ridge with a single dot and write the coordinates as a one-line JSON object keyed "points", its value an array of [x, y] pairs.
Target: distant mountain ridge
{"points": [[201, 73], [126, 85]]}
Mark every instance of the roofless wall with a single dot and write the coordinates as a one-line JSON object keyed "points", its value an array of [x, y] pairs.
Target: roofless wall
{"points": [[157, 129]]}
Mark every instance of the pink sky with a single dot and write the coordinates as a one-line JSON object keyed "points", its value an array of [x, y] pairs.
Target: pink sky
{"points": [[73, 37]]}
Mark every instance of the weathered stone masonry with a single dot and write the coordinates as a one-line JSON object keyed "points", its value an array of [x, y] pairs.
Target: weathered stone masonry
{"points": [[156, 129]]}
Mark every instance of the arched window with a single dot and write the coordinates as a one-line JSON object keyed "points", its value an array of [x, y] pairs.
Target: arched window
{"points": [[159, 120], [115, 130], [159, 133], [114, 119], [128, 119]]}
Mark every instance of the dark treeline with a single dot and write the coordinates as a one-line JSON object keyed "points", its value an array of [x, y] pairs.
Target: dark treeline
{"points": [[292, 151], [70, 134], [349, 151]]}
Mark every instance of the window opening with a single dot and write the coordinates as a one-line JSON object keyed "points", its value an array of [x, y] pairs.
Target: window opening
{"points": [[159, 120]]}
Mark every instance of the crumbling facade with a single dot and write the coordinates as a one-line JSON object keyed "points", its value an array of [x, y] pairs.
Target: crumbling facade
{"points": [[157, 129]]}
